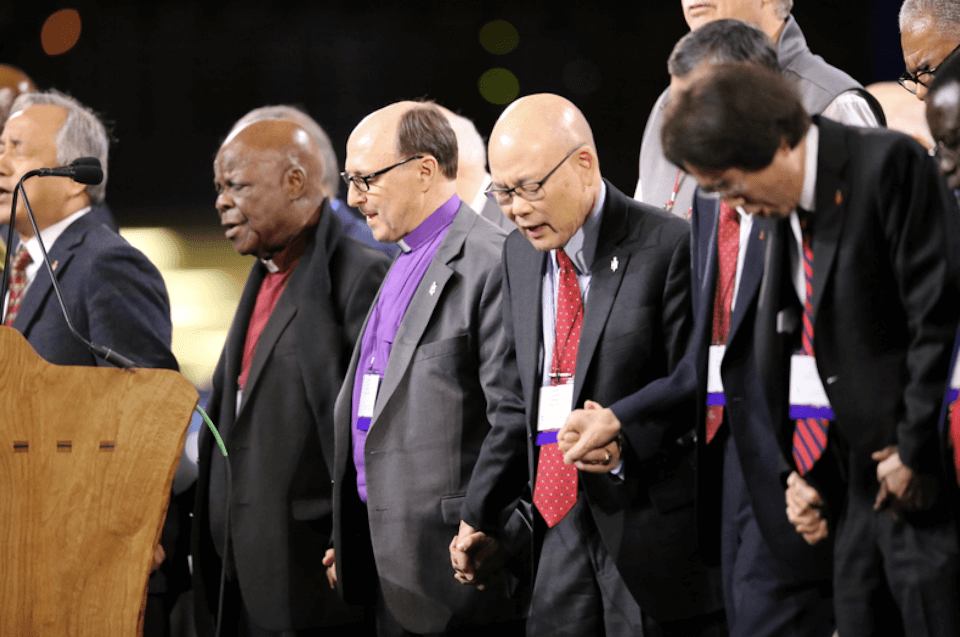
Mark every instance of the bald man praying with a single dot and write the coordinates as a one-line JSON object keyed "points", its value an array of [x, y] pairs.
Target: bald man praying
{"points": [[609, 279]]}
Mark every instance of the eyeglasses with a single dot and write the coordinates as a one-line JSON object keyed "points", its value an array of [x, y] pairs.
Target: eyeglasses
{"points": [[530, 191], [722, 190], [913, 81], [362, 182]]}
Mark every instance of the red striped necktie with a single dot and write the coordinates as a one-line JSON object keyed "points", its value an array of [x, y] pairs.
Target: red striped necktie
{"points": [[728, 248], [810, 434], [18, 283]]}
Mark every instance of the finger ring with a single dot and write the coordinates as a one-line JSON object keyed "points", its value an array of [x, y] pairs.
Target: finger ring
{"points": [[608, 459]]}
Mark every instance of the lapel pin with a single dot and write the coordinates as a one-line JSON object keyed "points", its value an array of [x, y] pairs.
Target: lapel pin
{"points": [[53, 266], [614, 264], [433, 288], [838, 198], [761, 235]]}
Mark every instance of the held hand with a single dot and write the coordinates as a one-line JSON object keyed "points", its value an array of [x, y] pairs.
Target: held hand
{"points": [[804, 507], [900, 488], [589, 438], [475, 556], [330, 562], [158, 556]]}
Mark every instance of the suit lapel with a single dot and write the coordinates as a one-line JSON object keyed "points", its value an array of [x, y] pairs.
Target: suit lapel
{"points": [[60, 254], [604, 284], [828, 216], [750, 277], [526, 285], [423, 305]]}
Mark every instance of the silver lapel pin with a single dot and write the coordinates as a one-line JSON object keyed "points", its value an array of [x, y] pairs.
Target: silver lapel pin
{"points": [[614, 264], [433, 288]]}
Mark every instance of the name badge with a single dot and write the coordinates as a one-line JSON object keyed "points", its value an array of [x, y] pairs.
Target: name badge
{"points": [[556, 403], [714, 381], [808, 398], [954, 383], [368, 400]]}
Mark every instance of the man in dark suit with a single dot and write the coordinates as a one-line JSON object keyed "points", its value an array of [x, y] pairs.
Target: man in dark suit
{"points": [[774, 583], [274, 389], [596, 301], [422, 385], [114, 296], [862, 267]]}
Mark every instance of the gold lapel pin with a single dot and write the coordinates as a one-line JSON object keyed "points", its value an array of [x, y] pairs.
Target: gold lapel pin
{"points": [[761, 235], [53, 266], [838, 198]]}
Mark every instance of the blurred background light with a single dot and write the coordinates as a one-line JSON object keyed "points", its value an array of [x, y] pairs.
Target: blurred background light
{"points": [[499, 37], [60, 32], [499, 86]]}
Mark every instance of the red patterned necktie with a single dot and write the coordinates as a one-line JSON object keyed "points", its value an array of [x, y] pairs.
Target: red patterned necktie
{"points": [[728, 247], [955, 435], [810, 435], [18, 281], [555, 491]]}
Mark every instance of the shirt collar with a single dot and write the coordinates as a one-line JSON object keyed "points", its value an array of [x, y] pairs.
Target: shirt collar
{"points": [[582, 246], [480, 200], [808, 192], [432, 225], [50, 234]]}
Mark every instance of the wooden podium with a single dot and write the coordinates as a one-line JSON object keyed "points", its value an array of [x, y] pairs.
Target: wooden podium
{"points": [[87, 457]]}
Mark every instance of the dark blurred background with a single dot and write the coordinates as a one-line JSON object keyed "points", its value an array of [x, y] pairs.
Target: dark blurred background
{"points": [[171, 77]]}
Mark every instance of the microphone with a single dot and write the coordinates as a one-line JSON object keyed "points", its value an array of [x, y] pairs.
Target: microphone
{"points": [[84, 170]]}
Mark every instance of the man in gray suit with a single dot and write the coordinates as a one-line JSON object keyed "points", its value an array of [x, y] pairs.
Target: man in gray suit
{"points": [[824, 89], [422, 385]]}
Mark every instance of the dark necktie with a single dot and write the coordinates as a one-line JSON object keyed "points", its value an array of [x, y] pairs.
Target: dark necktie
{"points": [[810, 435], [18, 282], [728, 248], [555, 491]]}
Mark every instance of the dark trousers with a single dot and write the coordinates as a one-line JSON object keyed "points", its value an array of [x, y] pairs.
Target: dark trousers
{"points": [[760, 594], [578, 591], [894, 575], [238, 623]]}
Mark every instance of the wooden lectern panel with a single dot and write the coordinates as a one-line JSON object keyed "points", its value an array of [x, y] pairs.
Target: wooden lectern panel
{"points": [[87, 457]]}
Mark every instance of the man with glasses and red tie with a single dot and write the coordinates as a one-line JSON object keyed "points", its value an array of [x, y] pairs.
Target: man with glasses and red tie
{"points": [[854, 327], [597, 302], [929, 35]]}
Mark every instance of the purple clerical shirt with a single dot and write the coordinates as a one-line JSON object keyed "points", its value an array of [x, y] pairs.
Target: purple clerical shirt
{"points": [[398, 288]]}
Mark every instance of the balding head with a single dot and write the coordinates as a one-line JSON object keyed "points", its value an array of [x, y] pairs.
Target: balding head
{"points": [[268, 178], [402, 165], [544, 138]]}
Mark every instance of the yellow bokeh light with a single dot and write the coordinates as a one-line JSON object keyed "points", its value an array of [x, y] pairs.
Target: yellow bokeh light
{"points": [[499, 86], [499, 37]]}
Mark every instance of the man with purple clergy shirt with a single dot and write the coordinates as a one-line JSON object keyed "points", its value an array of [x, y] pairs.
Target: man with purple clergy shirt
{"points": [[422, 386], [596, 301]]}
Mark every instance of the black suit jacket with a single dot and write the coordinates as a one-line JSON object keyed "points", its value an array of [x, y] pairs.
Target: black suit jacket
{"points": [[755, 385], [885, 298], [636, 325], [281, 440]]}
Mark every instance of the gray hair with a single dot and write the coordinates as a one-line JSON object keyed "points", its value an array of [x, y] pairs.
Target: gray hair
{"points": [[917, 14], [81, 135], [722, 42], [783, 8], [331, 169]]}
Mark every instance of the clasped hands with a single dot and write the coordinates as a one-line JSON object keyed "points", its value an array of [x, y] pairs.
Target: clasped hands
{"points": [[901, 489], [590, 439]]}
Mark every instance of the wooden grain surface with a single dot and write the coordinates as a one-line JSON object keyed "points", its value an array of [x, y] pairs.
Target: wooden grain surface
{"points": [[79, 523]]}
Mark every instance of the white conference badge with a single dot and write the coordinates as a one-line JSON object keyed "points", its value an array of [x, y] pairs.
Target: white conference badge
{"points": [[368, 400], [714, 380], [808, 398], [954, 383], [556, 403]]}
